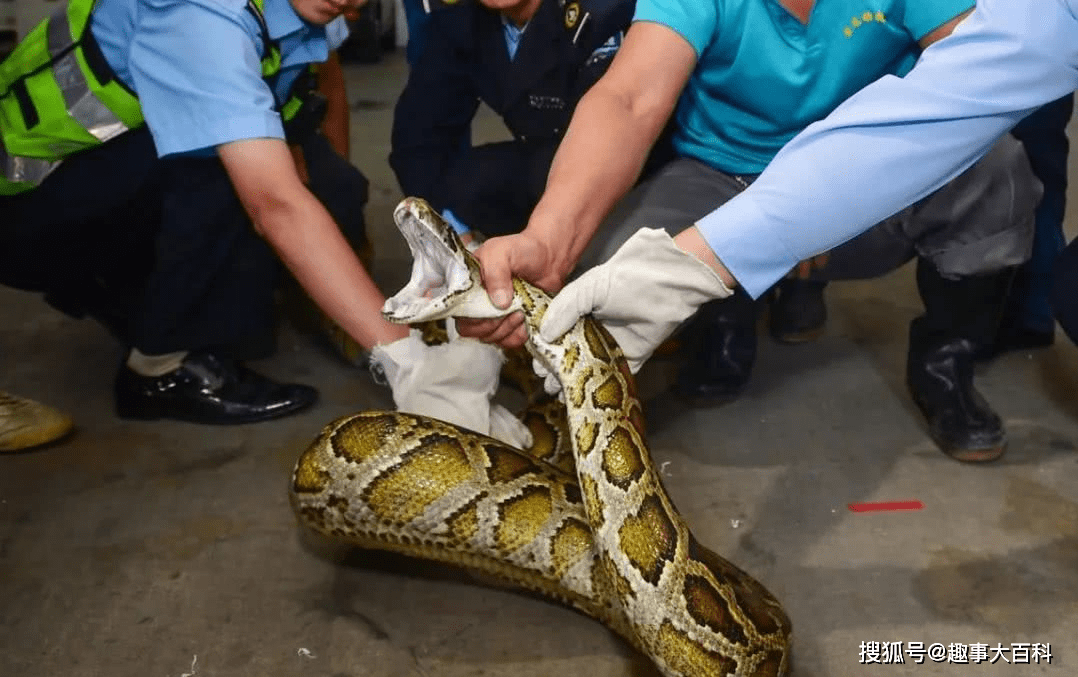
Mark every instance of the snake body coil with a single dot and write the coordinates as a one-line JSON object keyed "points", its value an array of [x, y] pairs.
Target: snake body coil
{"points": [[604, 538]]}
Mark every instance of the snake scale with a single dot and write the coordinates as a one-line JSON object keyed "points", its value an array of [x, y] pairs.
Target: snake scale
{"points": [[600, 534]]}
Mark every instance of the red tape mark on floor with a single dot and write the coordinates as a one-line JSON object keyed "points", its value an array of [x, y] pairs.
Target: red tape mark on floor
{"points": [[885, 506]]}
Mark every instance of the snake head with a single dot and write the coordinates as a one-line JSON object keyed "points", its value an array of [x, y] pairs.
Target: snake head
{"points": [[446, 279]]}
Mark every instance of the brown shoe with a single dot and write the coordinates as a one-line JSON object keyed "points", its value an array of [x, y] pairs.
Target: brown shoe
{"points": [[25, 424]]}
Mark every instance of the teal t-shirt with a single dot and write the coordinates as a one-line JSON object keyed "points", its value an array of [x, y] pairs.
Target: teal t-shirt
{"points": [[762, 76]]}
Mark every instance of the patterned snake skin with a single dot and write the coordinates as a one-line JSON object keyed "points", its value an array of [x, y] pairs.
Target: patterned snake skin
{"points": [[604, 537]]}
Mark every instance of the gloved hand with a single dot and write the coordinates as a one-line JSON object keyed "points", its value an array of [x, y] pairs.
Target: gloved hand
{"points": [[642, 294], [453, 382]]}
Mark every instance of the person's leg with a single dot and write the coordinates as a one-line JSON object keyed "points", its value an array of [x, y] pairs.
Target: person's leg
{"points": [[1028, 320], [969, 235], [212, 278], [1065, 290], [673, 198], [209, 288], [69, 237], [720, 339], [106, 235]]}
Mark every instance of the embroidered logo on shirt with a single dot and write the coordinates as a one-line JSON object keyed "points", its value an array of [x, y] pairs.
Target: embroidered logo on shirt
{"points": [[866, 17], [572, 14], [546, 102]]}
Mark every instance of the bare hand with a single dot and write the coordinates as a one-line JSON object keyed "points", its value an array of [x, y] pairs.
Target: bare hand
{"points": [[502, 258]]}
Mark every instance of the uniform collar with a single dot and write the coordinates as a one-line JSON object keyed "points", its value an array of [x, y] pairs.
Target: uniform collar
{"points": [[300, 42], [282, 20]]}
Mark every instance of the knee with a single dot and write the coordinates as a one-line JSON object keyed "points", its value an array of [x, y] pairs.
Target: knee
{"points": [[1011, 181]]}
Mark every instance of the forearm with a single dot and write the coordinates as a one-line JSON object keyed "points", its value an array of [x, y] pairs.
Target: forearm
{"points": [[325, 266], [897, 140], [433, 115], [691, 241], [426, 142], [597, 162]]}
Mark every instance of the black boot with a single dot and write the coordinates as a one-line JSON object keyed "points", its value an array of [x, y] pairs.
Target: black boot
{"points": [[721, 340], [798, 311], [960, 319]]}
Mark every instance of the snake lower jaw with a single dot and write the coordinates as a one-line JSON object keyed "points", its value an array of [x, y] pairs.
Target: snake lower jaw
{"points": [[409, 307]]}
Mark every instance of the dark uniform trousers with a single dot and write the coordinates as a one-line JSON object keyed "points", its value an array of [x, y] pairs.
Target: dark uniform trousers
{"points": [[159, 250], [1044, 135]]}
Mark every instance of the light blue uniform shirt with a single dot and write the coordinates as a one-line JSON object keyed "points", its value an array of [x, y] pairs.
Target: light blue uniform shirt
{"points": [[762, 76], [195, 65], [899, 139]]}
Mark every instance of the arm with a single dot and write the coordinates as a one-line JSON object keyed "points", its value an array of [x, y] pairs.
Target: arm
{"points": [[306, 238], [805, 268], [943, 31], [433, 116], [618, 120], [1006, 59], [602, 153]]}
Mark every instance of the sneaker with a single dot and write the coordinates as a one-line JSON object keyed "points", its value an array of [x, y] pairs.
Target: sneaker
{"points": [[25, 424]]}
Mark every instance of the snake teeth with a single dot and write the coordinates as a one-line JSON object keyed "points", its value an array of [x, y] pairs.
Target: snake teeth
{"points": [[438, 274], [444, 274]]}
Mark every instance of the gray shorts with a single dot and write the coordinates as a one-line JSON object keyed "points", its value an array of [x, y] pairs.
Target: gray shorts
{"points": [[980, 222]]}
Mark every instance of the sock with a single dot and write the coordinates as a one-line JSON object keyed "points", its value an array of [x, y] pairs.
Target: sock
{"points": [[154, 365]]}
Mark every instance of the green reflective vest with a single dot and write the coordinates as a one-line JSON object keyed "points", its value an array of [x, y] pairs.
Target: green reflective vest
{"points": [[58, 96]]}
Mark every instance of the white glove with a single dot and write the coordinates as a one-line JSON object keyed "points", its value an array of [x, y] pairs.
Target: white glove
{"points": [[453, 382], [642, 294]]}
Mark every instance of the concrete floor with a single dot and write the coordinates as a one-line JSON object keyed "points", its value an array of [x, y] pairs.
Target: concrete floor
{"points": [[168, 549]]}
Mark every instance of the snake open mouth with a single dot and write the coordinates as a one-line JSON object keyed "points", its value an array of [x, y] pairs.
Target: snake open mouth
{"points": [[445, 277], [439, 271]]}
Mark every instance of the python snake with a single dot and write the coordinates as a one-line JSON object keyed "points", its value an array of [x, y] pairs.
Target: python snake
{"points": [[601, 535]]}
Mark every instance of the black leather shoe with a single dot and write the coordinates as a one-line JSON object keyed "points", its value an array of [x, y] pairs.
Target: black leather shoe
{"points": [[722, 343], [208, 389], [798, 311], [960, 421]]}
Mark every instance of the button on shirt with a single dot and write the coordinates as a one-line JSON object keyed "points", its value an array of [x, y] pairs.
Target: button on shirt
{"points": [[195, 66]]}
